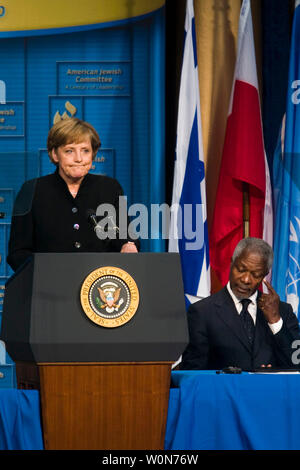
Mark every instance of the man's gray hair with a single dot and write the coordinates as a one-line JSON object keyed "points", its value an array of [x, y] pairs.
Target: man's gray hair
{"points": [[254, 245]]}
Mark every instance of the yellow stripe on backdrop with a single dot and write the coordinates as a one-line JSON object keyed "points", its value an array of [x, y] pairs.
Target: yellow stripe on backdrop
{"points": [[217, 33], [24, 15]]}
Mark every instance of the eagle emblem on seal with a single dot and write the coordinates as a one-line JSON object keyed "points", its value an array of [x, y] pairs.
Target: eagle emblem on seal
{"points": [[110, 296]]}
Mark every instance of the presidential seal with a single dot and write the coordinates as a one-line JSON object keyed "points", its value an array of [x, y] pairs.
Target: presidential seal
{"points": [[109, 297]]}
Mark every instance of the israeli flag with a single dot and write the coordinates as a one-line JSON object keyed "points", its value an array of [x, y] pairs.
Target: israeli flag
{"points": [[188, 227], [286, 184]]}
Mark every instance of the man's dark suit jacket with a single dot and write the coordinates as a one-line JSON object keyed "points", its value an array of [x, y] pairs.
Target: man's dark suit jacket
{"points": [[218, 339]]}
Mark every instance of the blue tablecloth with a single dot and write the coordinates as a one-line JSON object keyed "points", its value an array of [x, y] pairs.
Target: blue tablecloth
{"points": [[20, 424], [209, 411]]}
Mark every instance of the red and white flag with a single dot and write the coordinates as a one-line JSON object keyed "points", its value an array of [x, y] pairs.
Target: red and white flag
{"points": [[243, 161]]}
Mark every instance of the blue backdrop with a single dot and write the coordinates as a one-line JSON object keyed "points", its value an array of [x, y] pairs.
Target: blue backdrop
{"points": [[112, 77]]}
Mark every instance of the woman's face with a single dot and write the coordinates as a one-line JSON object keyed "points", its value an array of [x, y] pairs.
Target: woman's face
{"points": [[74, 160]]}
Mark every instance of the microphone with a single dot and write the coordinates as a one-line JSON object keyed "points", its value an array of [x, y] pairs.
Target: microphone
{"points": [[91, 217], [99, 228], [114, 227], [105, 228]]}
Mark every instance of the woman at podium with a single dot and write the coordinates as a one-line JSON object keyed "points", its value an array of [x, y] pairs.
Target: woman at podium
{"points": [[57, 212]]}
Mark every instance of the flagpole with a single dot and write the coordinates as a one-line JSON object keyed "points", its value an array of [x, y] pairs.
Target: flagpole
{"points": [[246, 210]]}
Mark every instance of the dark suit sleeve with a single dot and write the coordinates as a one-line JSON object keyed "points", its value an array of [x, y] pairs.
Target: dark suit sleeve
{"points": [[286, 336], [20, 245], [121, 238], [197, 352]]}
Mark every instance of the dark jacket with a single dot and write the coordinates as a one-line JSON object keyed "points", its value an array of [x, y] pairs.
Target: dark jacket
{"points": [[218, 339], [46, 218]]}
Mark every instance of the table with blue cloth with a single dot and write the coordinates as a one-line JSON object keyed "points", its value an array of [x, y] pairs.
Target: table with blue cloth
{"points": [[218, 411], [20, 423], [207, 411]]}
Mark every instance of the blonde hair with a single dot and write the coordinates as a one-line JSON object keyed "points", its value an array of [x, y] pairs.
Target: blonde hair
{"points": [[72, 130]]}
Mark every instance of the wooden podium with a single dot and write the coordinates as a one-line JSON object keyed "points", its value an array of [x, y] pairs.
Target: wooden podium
{"points": [[100, 388]]}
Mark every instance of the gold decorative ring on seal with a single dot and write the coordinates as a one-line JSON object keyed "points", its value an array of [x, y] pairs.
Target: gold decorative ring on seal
{"points": [[109, 296]]}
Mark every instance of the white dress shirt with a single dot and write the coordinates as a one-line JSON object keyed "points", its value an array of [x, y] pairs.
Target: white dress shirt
{"points": [[252, 309]]}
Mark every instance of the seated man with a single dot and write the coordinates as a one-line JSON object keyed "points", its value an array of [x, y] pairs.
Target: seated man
{"points": [[239, 326]]}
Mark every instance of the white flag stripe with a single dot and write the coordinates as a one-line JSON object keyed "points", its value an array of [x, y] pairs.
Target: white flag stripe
{"points": [[189, 88], [188, 108]]}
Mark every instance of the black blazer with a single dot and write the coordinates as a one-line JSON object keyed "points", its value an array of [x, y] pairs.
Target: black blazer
{"points": [[47, 218], [218, 340]]}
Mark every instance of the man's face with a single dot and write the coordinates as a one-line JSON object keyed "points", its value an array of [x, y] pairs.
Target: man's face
{"points": [[246, 274]]}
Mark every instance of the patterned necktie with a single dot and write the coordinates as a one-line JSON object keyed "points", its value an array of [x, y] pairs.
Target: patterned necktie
{"points": [[247, 320]]}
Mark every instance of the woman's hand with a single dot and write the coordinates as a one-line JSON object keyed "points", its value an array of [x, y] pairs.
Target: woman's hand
{"points": [[129, 247]]}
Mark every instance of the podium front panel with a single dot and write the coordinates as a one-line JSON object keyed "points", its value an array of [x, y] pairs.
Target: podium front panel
{"points": [[57, 329]]}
